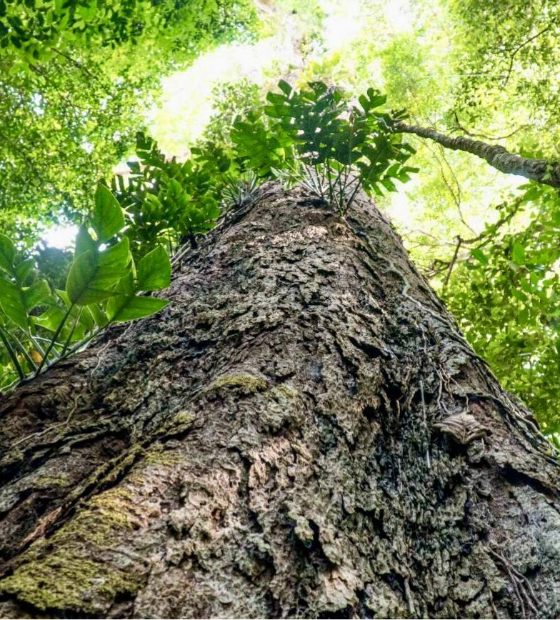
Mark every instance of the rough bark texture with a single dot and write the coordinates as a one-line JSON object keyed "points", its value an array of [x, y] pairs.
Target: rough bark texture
{"points": [[497, 156], [302, 433]]}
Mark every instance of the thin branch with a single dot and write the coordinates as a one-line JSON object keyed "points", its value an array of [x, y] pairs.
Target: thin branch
{"points": [[484, 136], [456, 196], [77, 64], [541, 170], [55, 338], [522, 45], [452, 263]]}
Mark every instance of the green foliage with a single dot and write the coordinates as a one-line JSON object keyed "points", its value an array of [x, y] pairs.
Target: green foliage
{"points": [[315, 135], [77, 78], [167, 201], [40, 324], [318, 136], [230, 101], [34, 31], [506, 296]]}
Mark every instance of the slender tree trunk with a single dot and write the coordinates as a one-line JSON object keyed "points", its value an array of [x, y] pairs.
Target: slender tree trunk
{"points": [[497, 156], [302, 433]]}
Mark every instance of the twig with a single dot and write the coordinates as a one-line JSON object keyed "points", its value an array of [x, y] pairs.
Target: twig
{"points": [[452, 263], [484, 136], [522, 45]]}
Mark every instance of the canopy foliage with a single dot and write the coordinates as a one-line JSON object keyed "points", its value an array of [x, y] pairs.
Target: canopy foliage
{"points": [[77, 79]]}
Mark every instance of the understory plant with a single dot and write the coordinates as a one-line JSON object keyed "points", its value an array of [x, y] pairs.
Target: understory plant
{"points": [[321, 138], [316, 136], [41, 324]]}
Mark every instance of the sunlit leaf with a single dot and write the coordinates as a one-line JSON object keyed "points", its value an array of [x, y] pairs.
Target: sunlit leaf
{"points": [[108, 217]]}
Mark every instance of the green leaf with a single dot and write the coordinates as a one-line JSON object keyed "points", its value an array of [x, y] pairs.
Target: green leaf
{"points": [[50, 319], [154, 270], [138, 307], [285, 87], [518, 253], [479, 255], [92, 275], [84, 241], [388, 184], [37, 293], [7, 253], [13, 304], [24, 269], [98, 315], [81, 283], [128, 308], [108, 217], [17, 302]]}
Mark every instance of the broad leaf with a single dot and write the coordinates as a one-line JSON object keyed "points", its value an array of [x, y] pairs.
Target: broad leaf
{"points": [[24, 270], [7, 254], [17, 302], [12, 303], [92, 274], [154, 270], [137, 307], [37, 293], [108, 217], [84, 241]]}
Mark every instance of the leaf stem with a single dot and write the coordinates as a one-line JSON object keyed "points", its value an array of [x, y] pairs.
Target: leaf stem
{"points": [[66, 344], [55, 338], [12, 354]]}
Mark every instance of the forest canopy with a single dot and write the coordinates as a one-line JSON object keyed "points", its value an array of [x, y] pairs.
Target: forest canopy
{"points": [[136, 124]]}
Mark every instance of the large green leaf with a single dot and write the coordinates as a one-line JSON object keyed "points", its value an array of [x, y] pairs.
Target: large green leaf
{"points": [[93, 274], [51, 318], [24, 270], [99, 316], [12, 303], [108, 217], [129, 306], [7, 254], [84, 241], [17, 302], [35, 294], [154, 270], [136, 307], [78, 323]]}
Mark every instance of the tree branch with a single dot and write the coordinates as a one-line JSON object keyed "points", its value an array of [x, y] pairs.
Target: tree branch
{"points": [[522, 45], [484, 136], [497, 156]]}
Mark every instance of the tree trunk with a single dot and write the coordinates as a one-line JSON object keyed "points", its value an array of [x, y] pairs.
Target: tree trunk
{"points": [[497, 156], [302, 433]]}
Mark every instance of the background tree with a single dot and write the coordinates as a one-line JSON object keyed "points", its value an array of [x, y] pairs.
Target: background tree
{"points": [[76, 87]]}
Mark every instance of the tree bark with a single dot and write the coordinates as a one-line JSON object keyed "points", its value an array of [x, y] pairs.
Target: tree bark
{"points": [[497, 156], [303, 432]]}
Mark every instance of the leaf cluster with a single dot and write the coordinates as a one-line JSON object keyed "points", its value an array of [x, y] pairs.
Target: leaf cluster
{"points": [[167, 201], [316, 136], [319, 136], [506, 296], [41, 324], [76, 80]]}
